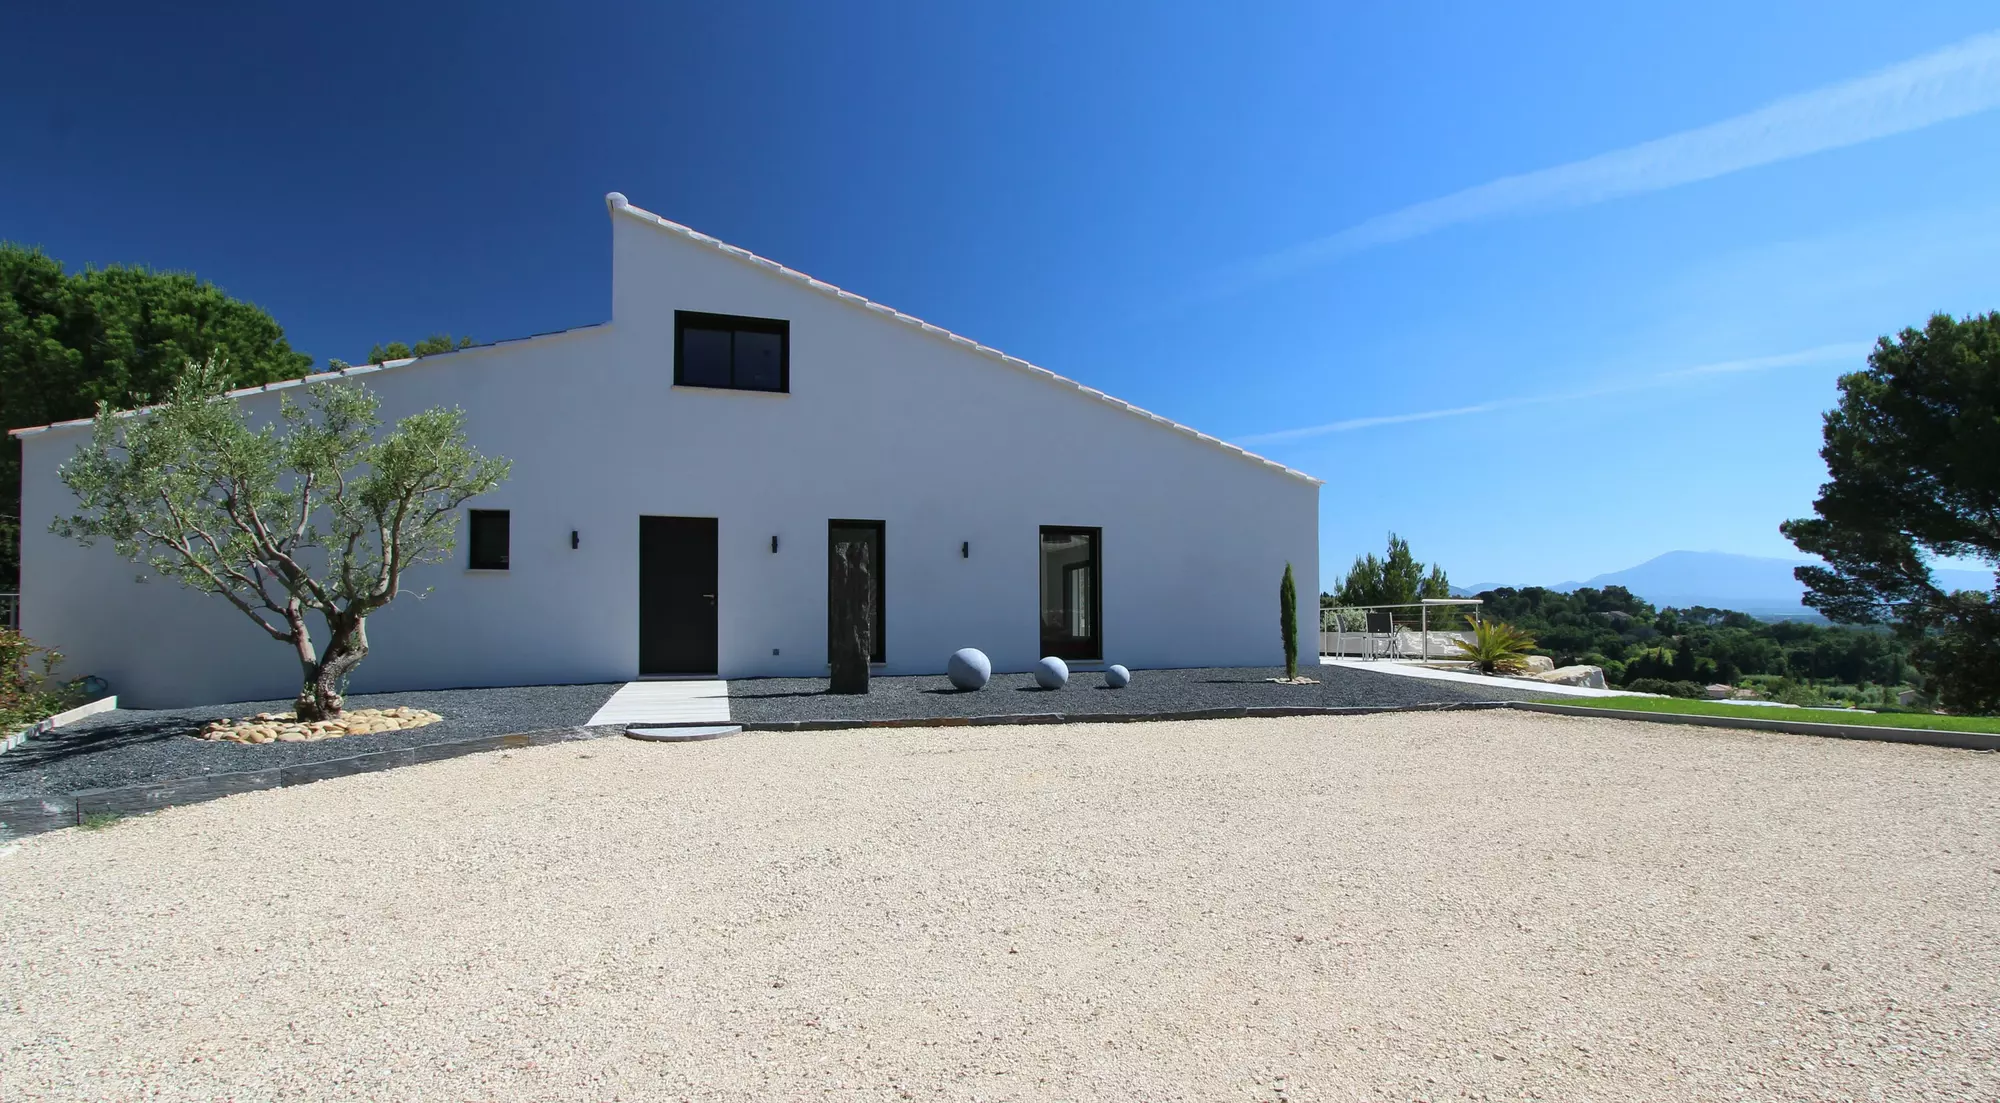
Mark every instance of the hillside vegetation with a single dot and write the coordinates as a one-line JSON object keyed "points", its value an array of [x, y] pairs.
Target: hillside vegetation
{"points": [[1633, 642]]}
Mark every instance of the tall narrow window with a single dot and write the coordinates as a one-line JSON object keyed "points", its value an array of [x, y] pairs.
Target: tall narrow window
{"points": [[1070, 592], [731, 352], [488, 539], [869, 535]]}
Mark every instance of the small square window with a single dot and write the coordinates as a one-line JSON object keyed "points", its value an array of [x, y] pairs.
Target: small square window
{"points": [[488, 539], [731, 352]]}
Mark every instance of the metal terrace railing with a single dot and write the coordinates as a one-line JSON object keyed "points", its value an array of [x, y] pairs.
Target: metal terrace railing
{"points": [[1403, 631]]}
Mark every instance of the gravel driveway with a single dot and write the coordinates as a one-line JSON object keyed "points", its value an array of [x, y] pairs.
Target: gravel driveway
{"points": [[1424, 906]]}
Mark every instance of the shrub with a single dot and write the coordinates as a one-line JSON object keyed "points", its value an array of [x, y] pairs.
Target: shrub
{"points": [[1664, 687], [1496, 647], [1790, 692], [26, 696], [1652, 664]]}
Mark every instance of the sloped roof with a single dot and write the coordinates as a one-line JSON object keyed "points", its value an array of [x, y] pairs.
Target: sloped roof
{"points": [[321, 377], [620, 205]]}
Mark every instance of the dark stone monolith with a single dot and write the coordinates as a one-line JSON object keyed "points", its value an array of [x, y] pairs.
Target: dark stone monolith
{"points": [[850, 608]]}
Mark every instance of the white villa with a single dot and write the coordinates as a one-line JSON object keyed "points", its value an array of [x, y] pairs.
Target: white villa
{"points": [[679, 473]]}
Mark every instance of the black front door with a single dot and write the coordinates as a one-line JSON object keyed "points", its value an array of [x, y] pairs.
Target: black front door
{"points": [[677, 595]]}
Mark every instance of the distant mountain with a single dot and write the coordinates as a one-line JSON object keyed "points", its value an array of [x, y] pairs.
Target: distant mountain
{"points": [[1720, 580]]}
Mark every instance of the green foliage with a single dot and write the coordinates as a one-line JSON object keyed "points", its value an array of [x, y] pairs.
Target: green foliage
{"points": [[435, 343], [312, 514], [1496, 647], [26, 695], [1288, 621], [1631, 639], [1913, 461], [71, 340], [1397, 579], [1651, 664], [1663, 686], [98, 821]]}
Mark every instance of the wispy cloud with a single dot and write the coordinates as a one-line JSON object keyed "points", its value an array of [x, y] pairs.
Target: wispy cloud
{"points": [[1959, 80], [1820, 354]]}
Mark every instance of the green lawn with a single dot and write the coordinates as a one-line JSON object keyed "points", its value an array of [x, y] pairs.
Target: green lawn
{"points": [[1986, 724]]}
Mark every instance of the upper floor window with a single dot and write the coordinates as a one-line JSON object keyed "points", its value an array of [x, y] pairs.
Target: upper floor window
{"points": [[723, 350]]}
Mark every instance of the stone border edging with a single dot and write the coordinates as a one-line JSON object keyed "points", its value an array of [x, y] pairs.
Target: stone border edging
{"points": [[1929, 737], [102, 704], [23, 816]]}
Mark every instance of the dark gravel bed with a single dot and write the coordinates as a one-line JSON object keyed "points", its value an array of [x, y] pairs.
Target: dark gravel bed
{"points": [[139, 746], [925, 696]]}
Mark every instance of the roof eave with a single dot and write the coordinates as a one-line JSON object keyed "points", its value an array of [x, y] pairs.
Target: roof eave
{"points": [[318, 377]]}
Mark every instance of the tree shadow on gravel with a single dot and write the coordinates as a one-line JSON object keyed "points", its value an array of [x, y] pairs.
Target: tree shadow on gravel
{"points": [[60, 745]]}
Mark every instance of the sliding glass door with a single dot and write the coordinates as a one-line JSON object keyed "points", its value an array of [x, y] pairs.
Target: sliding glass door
{"points": [[1070, 592]]}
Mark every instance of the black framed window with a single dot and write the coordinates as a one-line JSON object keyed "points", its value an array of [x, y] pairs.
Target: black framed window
{"points": [[731, 352], [488, 539], [1071, 592], [870, 534]]}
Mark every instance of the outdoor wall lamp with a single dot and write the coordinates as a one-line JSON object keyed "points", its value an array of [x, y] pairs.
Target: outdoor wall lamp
{"points": [[572, 540], [965, 550], [774, 545]]}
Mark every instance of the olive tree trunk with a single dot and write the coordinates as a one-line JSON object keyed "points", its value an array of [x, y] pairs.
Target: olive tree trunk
{"points": [[320, 691]]}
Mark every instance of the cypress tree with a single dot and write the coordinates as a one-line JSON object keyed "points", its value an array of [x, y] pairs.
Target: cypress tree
{"points": [[1288, 622]]}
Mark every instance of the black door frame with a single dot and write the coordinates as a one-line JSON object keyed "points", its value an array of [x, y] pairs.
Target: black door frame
{"points": [[663, 636], [881, 528], [1096, 610]]}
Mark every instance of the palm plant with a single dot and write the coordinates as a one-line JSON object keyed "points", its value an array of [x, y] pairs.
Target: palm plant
{"points": [[1496, 647]]}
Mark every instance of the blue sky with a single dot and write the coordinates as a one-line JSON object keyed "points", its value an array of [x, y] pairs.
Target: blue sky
{"points": [[1548, 291]]}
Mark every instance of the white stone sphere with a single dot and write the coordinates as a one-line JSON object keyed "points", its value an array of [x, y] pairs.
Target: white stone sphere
{"points": [[969, 668], [1051, 673], [1117, 677]]}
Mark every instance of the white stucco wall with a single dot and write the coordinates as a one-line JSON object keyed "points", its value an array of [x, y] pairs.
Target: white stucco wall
{"points": [[943, 443]]}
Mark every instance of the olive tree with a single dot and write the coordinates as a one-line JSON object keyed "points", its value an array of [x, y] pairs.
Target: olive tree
{"points": [[310, 514]]}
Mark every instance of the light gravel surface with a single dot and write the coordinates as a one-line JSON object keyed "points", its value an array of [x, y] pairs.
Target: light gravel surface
{"points": [[1429, 906]]}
